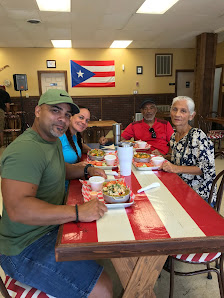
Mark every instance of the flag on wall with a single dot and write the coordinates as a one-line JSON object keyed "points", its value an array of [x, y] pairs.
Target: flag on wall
{"points": [[92, 73]]}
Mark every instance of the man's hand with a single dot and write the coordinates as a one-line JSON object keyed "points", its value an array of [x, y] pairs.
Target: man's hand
{"points": [[156, 152], [92, 171], [92, 210], [170, 168], [103, 140]]}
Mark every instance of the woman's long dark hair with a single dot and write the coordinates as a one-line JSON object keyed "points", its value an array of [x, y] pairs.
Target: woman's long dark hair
{"points": [[79, 138]]}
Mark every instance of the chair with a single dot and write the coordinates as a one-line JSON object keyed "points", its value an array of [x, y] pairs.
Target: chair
{"points": [[214, 135], [13, 288], [202, 258], [92, 134], [12, 127]]}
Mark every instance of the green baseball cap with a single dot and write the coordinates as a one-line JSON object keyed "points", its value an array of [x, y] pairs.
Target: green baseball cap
{"points": [[56, 96]]}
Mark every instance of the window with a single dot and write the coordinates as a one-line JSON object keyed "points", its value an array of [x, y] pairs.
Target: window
{"points": [[164, 64]]}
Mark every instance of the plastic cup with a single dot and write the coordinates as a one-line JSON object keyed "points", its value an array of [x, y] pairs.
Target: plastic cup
{"points": [[141, 144], [158, 160], [125, 155], [96, 183], [110, 159]]}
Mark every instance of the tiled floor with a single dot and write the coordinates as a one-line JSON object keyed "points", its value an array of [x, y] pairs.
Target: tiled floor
{"points": [[188, 287]]}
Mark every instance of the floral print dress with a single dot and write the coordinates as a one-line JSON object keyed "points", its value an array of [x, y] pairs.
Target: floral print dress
{"points": [[199, 152]]}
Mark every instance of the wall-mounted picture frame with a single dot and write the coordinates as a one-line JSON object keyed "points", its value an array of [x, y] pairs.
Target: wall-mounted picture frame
{"points": [[51, 63], [139, 69]]}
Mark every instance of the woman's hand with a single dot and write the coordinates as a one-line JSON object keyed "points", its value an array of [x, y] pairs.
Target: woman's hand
{"points": [[92, 210], [92, 171], [103, 140], [170, 168]]}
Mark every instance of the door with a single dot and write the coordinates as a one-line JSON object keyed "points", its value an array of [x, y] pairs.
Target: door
{"points": [[185, 83], [52, 80]]}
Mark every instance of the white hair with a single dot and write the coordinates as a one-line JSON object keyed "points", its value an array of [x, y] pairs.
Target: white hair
{"points": [[190, 102]]}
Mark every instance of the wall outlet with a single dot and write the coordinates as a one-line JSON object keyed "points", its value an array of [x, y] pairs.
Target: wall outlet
{"points": [[135, 92], [27, 95]]}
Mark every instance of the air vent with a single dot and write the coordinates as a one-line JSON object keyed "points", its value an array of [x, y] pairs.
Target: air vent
{"points": [[164, 65]]}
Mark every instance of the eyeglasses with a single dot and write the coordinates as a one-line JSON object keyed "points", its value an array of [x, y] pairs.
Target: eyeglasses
{"points": [[153, 132]]}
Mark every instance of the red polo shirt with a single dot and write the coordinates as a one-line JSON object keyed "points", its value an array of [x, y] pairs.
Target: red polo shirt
{"points": [[139, 130]]}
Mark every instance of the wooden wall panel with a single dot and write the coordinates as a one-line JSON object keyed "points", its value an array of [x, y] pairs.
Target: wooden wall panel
{"points": [[204, 72], [119, 108]]}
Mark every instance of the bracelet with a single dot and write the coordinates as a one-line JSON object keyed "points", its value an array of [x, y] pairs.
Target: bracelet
{"points": [[77, 213], [86, 170]]}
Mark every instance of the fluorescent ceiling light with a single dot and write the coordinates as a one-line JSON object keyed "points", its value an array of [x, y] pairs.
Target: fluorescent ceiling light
{"points": [[219, 30], [120, 44], [54, 5], [156, 6], [62, 43]]}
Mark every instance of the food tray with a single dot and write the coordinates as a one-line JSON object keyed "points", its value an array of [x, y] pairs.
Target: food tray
{"points": [[104, 167], [86, 189], [152, 168]]}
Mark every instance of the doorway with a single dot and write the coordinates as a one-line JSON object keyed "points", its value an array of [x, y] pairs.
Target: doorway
{"points": [[184, 82], [52, 80], [217, 105]]}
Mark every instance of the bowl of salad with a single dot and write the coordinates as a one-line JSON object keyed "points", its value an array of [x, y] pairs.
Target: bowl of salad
{"points": [[142, 157], [115, 191], [96, 154]]}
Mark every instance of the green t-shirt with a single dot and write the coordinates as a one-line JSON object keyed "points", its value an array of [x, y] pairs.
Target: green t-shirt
{"points": [[31, 159]]}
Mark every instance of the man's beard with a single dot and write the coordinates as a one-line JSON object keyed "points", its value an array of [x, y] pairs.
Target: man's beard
{"points": [[149, 118], [58, 132]]}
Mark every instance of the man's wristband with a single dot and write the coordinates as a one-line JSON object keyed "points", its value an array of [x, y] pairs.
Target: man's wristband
{"points": [[77, 213], [86, 170]]}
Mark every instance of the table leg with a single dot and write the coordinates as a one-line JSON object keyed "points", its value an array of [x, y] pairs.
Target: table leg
{"points": [[138, 275]]}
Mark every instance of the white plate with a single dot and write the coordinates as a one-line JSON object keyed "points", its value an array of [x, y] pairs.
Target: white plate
{"points": [[119, 205], [146, 168]]}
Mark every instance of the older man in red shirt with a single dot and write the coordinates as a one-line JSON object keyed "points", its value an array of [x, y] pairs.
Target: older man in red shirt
{"points": [[154, 131]]}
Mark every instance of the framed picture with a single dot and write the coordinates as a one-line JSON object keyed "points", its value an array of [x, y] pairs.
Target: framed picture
{"points": [[51, 63], [139, 69]]}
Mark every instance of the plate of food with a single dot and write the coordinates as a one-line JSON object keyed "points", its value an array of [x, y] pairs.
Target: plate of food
{"points": [[145, 166], [102, 165], [89, 194], [115, 191], [128, 141], [141, 157], [96, 154]]}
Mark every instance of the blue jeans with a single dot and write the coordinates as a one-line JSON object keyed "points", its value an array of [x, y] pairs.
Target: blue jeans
{"points": [[36, 267]]}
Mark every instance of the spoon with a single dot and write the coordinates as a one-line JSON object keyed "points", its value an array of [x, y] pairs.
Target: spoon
{"points": [[153, 185]]}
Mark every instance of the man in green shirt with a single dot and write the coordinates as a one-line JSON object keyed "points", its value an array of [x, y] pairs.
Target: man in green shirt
{"points": [[33, 187]]}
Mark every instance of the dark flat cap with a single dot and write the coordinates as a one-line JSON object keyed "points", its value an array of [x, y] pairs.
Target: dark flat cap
{"points": [[148, 100]]}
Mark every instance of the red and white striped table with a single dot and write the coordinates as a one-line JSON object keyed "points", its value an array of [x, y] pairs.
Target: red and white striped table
{"points": [[168, 220]]}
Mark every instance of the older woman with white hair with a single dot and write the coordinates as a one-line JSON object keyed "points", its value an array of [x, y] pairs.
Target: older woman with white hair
{"points": [[192, 153]]}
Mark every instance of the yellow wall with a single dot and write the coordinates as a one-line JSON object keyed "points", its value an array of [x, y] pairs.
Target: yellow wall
{"points": [[220, 53], [30, 60]]}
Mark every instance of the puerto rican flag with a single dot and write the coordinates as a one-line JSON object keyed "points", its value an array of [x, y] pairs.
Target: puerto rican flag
{"points": [[92, 73]]}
